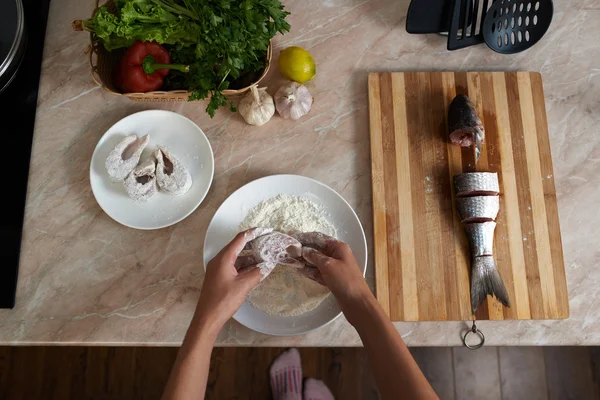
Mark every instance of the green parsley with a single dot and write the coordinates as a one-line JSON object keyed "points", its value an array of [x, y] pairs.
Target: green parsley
{"points": [[224, 42]]}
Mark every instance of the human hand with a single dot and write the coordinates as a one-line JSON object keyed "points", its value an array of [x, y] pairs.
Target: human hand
{"points": [[225, 288], [335, 267]]}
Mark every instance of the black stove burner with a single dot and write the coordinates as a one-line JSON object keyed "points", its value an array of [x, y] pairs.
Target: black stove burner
{"points": [[17, 107]]}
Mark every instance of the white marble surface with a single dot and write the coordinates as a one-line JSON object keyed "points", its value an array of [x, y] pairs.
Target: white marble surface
{"points": [[84, 279]]}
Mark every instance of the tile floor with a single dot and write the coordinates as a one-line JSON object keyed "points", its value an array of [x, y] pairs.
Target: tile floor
{"points": [[494, 373], [503, 373]]}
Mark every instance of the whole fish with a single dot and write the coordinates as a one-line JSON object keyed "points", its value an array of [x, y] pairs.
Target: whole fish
{"points": [[477, 208], [464, 124], [476, 184]]}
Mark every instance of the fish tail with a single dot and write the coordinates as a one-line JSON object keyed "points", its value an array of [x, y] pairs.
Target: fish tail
{"points": [[485, 279]]}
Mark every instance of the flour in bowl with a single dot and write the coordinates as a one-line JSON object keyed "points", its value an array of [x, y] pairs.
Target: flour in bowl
{"points": [[285, 292]]}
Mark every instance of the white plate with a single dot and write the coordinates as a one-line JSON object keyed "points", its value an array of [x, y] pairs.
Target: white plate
{"points": [[180, 136], [232, 212]]}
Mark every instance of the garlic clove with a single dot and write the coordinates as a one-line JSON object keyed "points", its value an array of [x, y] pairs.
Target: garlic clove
{"points": [[257, 106], [293, 101]]}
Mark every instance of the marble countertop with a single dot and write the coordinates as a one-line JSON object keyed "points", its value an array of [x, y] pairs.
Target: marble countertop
{"points": [[85, 279]]}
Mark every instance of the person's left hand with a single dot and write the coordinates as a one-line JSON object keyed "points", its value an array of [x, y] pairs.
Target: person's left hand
{"points": [[224, 288]]}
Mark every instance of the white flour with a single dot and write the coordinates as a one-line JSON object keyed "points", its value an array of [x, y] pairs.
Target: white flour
{"points": [[285, 292]]}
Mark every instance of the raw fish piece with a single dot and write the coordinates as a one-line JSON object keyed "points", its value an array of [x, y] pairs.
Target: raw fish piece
{"points": [[313, 242], [476, 184], [477, 208], [485, 279], [125, 156], [140, 184], [171, 175], [464, 124], [481, 238], [316, 240], [275, 247]]}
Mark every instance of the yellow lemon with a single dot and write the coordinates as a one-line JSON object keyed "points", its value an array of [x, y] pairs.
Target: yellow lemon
{"points": [[297, 64]]}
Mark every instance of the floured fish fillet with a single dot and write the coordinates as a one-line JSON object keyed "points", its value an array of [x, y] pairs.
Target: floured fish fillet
{"points": [[125, 156], [485, 279], [312, 242], [481, 238], [274, 247], [171, 175], [476, 184], [477, 208], [315, 240], [464, 124], [140, 184]]}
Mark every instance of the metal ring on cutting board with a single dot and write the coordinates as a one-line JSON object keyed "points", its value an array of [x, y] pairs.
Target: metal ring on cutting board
{"points": [[477, 331]]}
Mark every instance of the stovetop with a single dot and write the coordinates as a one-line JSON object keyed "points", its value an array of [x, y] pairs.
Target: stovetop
{"points": [[18, 104]]}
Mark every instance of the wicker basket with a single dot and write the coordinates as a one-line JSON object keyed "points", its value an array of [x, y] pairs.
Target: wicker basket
{"points": [[104, 62]]}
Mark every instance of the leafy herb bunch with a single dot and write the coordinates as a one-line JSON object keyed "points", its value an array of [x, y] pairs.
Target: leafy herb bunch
{"points": [[221, 40]]}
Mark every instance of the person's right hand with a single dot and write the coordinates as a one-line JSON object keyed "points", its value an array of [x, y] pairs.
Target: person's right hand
{"points": [[337, 268]]}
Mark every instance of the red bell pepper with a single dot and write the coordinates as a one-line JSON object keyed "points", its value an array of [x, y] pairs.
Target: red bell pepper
{"points": [[143, 67]]}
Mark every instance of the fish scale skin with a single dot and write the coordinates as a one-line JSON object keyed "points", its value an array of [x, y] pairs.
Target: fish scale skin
{"points": [[481, 238], [477, 207], [469, 182]]}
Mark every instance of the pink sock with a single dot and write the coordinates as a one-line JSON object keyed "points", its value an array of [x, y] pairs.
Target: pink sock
{"points": [[315, 389], [286, 376]]}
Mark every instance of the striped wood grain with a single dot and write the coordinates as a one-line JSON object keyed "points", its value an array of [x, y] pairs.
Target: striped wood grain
{"points": [[422, 262]]}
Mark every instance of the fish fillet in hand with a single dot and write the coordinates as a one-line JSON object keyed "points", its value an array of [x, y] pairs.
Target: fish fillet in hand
{"points": [[272, 248], [313, 242]]}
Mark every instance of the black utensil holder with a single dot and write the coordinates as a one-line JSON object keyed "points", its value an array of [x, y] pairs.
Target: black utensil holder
{"points": [[462, 20]]}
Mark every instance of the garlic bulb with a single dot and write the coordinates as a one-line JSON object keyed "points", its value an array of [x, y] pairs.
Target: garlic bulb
{"points": [[293, 101], [257, 107]]}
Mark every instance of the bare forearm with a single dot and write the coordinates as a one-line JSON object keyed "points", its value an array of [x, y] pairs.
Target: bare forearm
{"points": [[190, 372], [395, 370]]}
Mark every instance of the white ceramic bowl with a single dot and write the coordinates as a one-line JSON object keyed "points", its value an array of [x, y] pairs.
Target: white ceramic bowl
{"points": [[225, 223], [184, 139]]}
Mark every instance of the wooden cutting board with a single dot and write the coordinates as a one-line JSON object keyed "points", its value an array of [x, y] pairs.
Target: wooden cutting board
{"points": [[422, 263]]}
